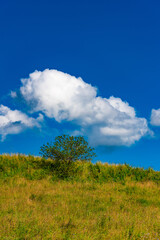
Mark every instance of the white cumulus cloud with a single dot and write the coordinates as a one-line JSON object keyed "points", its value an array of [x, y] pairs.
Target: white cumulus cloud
{"points": [[67, 98], [155, 117], [14, 121]]}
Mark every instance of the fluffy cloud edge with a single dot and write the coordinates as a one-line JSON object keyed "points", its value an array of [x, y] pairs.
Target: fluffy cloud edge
{"points": [[155, 117], [15, 121]]}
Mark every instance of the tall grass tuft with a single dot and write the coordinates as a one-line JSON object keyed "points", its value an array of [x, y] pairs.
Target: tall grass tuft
{"points": [[33, 168]]}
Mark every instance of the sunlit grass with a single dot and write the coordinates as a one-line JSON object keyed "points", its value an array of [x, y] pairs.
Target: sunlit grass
{"points": [[36, 205]]}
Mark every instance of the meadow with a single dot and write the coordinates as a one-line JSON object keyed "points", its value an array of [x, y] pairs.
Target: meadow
{"points": [[96, 201]]}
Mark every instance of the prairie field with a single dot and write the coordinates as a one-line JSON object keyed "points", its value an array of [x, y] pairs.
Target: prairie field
{"points": [[100, 201]]}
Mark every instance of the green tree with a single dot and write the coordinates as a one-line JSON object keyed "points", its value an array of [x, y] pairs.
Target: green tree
{"points": [[66, 150]]}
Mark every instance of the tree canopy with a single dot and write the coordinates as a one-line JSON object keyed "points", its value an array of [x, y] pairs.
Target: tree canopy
{"points": [[68, 148]]}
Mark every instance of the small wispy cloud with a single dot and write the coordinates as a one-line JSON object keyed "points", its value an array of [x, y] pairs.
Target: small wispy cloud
{"points": [[106, 121], [13, 94]]}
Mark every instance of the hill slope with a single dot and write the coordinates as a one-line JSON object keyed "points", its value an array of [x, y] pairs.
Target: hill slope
{"points": [[101, 202]]}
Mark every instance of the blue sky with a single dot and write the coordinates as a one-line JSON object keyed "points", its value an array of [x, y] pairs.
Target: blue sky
{"points": [[114, 46]]}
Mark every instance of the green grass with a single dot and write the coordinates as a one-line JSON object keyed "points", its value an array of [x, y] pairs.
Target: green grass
{"points": [[99, 201]]}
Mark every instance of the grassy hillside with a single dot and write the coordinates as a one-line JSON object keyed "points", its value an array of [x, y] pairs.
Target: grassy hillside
{"points": [[100, 201]]}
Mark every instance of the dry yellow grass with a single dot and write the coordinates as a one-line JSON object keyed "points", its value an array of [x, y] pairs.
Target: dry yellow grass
{"points": [[42, 209], [103, 202]]}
